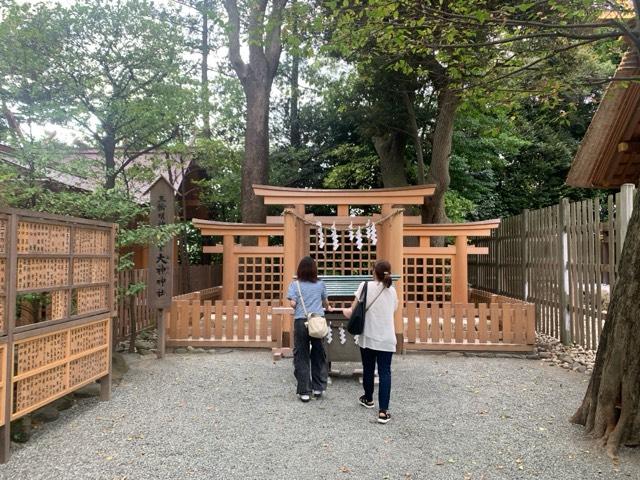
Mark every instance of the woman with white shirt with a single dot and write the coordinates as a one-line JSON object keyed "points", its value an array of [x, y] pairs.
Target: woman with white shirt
{"points": [[378, 340]]}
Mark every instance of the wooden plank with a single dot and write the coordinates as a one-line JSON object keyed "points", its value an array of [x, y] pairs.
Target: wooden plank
{"points": [[183, 318], [251, 310], [598, 273], [612, 243], [206, 317], [411, 322], [518, 324], [276, 326], [507, 323], [196, 309], [495, 322], [229, 319], [471, 322], [459, 319], [219, 320], [435, 323], [241, 323], [423, 315], [264, 322], [531, 324], [477, 347], [446, 323], [221, 343], [482, 322]]}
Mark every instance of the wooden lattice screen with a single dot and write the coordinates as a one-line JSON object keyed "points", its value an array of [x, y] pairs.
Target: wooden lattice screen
{"points": [[347, 259], [260, 277], [427, 278], [56, 303]]}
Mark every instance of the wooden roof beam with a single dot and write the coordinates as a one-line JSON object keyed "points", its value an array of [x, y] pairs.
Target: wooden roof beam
{"points": [[211, 228], [413, 195]]}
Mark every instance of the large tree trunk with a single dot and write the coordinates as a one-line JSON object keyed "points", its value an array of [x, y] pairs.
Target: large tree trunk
{"points": [[109, 149], [204, 71], [433, 211], [390, 147], [610, 409], [412, 122], [255, 168]]}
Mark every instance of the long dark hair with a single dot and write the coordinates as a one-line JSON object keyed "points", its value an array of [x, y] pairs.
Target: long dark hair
{"points": [[382, 272], [307, 270]]}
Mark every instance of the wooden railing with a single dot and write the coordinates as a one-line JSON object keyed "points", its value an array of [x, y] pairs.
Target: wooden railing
{"points": [[481, 327], [233, 323]]}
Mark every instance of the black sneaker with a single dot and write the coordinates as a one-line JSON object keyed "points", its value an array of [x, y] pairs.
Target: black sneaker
{"points": [[384, 416], [365, 403], [317, 394]]}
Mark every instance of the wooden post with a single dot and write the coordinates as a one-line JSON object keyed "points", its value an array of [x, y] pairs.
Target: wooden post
{"points": [[460, 280], [302, 241], [623, 216], [394, 238], [11, 266], [228, 268], [563, 272], [525, 252], [162, 332], [291, 247]]}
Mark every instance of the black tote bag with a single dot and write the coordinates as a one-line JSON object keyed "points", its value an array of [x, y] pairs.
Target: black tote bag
{"points": [[356, 322]]}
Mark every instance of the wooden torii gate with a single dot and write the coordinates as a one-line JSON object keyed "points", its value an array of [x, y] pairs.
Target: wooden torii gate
{"points": [[392, 227]]}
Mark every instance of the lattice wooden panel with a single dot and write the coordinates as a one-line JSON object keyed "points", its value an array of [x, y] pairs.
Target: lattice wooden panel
{"points": [[91, 241], [36, 237], [88, 337], [59, 304], [38, 352], [260, 277], [90, 270], [3, 380], [42, 273], [3, 291], [88, 366], [427, 279], [3, 236], [91, 299], [347, 260], [51, 365]]}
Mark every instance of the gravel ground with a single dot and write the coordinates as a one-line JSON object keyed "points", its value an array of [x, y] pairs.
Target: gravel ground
{"points": [[234, 415]]}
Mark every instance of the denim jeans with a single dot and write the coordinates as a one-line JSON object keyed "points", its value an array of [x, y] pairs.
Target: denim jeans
{"points": [[309, 360], [369, 359]]}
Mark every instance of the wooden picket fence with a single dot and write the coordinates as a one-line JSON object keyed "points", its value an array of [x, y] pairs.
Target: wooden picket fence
{"points": [[232, 323], [204, 276], [505, 327], [562, 258]]}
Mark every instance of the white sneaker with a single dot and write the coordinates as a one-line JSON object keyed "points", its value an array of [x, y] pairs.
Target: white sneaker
{"points": [[305, 397], [317, 394]]}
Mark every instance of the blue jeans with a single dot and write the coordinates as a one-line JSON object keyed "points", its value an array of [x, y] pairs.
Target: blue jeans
{"points": [[369, 359]]}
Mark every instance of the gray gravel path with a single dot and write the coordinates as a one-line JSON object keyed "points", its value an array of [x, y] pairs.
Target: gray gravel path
{"points": [[234, 415]]}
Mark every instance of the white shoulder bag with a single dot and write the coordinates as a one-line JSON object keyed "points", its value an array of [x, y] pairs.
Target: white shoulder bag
{"points": [[316, 323]]}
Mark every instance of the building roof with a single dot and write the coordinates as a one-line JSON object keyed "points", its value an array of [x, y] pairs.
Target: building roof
{"points": [[138, 184], [609, 154]]}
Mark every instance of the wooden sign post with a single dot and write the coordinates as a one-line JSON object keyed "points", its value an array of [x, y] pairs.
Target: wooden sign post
{"points": [[160, 277]]}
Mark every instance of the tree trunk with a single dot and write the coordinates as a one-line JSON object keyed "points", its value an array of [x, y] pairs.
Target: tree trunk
{"points": [[109, 149], [204, 71], [433, 211], [390, 147], [255, 168], [294, 118], [610, 409], [415, 135]]}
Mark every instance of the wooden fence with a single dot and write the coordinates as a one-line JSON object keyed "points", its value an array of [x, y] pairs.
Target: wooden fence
{"points": [[56, 305], [563, 259], [203, 276], [232, 323], [497, 326]]}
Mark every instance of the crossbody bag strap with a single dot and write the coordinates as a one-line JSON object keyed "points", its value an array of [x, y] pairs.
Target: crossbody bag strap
{"points": [[306, 314], [374, 300]]}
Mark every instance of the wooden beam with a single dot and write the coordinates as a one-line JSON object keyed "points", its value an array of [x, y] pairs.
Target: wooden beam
{"points": [[471, 229], [451, 250], [413, 195], [211, 228], [229, 268], [629, 147], [343, 220], [460, 280]]}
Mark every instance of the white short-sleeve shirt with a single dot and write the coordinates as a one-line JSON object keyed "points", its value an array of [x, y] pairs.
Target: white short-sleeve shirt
{"points": [[379, 332]]}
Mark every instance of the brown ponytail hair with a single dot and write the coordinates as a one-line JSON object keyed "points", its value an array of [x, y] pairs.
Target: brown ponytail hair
{"points": [[382, 272]]}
